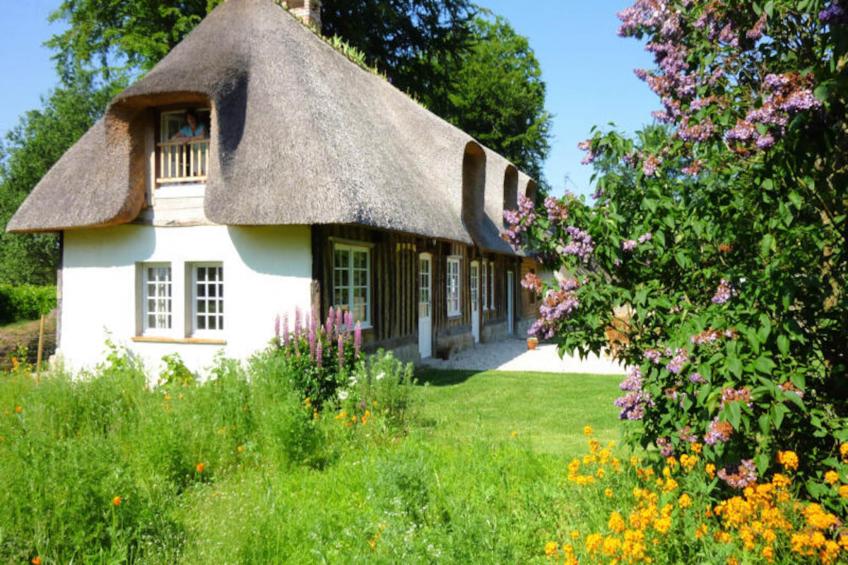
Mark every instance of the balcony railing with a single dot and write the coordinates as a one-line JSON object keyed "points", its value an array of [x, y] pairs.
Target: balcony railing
{"points": [[183, 161]]}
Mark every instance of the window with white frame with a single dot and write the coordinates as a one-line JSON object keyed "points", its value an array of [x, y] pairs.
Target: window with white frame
{"points": [[352, 281], [485, 289], [492, 286], [157, 301], [207, 298], [453, 293]]}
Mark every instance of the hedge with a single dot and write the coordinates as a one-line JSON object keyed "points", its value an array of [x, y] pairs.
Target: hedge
{"points": [[25, 302]]}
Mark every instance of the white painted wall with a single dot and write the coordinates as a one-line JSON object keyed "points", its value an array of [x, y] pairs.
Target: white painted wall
{"points": [[267, 271]]}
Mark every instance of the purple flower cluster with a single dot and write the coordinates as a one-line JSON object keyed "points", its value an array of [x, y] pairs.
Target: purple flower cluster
{"points": [[740, 475], [556, 306], [664, 444], [697, 378], [633, 403], [729, 395], [718, 431], [685, 434], [650, 165], [723, 292], [581, 244], [681, 357], [519, 221], [590, 154], [557, 210], [653, 356], [339, 327], [833, 14], [628, 245]]}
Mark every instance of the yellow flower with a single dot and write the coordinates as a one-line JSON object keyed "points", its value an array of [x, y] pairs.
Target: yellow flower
{"points": [[768, 554], [611, 546], [593, 542], [685, 501], [116, 501], [696, 448], [576, 535], [587, 431], [843, 451], [711, 470], [18, 409], [551, 548], [616, 523], [307, 401], [701, 531], [831, 477], [788, 459], [843, 491], [514, 434], [608, 492]]}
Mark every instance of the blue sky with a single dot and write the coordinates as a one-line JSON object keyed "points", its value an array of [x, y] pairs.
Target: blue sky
{"points": [[587, 67]]}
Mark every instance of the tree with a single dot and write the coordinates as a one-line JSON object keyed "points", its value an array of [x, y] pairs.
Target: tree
{"points": [[31, 148], [499, 95], [716, 251]]}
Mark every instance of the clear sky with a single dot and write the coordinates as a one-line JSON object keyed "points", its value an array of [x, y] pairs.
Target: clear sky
{"points": [[587, 67]]}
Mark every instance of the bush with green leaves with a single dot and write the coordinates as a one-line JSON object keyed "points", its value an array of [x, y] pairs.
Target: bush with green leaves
{"points": [[382, 385], [715, 253], [25, 302]]}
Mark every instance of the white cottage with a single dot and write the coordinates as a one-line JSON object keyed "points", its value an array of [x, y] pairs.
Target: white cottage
{"points": [[254, 171]]}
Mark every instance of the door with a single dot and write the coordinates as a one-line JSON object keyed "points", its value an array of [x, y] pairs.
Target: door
{"points": [[425, 305], [475, 301], [510, 302]]}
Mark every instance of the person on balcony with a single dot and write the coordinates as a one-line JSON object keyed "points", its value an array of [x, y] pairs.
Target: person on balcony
{"points": [[192, 130]]}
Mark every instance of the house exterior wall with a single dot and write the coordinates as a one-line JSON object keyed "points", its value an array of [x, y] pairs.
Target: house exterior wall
{"points": [[267, 271], [395, 291]]}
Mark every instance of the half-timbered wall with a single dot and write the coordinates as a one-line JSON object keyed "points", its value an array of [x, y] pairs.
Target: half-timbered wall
{"points": [[394, 285]]}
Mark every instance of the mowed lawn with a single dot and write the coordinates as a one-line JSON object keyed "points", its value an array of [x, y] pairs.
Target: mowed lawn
{"points": [[546, 411]]}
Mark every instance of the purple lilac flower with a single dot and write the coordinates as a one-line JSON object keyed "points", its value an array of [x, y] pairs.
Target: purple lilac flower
{"points": [[664, 444], [685, 434], [697, 379], [723, 292], [765, 141], [739, 476], [650, 165], [800, 100], [718, 431], [357, 339], [653, 356], [587, 147], [742, 131], [681, 357], [628, 245], [581, 244], [518, 221], [645, 237], [557, 210], [756, 32], [729, 395], [633, 403]]}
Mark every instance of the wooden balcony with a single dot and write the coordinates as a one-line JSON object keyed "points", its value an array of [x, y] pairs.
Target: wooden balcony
{"points": [[183, 162]]}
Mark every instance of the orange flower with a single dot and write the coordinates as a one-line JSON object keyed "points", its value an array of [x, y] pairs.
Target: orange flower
{"points": [[843, 451], [18, 409], [551, 548], [831, 477], [36, 560], [200, 467], [788, 459], [117, 501]]}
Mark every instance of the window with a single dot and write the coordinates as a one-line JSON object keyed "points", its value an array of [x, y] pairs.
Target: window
{"points": [[352, 281], [492, 286], [485, 290], [207, 298], [158, 299], [183, 146], [475, 286], [453, 279]]}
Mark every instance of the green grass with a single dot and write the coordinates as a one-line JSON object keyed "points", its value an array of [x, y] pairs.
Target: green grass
{"points": [[547, 410], [455, 486]]}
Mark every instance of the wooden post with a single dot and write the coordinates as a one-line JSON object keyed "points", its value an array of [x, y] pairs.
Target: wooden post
{"points": [[40, 349]]}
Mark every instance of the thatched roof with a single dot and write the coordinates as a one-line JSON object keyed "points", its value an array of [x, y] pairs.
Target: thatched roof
{"points": [[300, 135]]}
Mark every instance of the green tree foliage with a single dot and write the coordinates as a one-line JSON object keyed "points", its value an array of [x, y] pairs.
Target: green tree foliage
{"points": [[499, 95], [31, 148], [715, 255]]}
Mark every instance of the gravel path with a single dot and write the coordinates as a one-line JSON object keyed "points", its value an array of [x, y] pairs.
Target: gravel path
{"points": [[512, 355]]}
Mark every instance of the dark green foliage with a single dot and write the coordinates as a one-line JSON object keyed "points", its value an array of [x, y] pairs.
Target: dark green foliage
{"points": [[25, 302]]}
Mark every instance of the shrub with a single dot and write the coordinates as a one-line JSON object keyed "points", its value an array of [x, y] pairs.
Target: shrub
{"points": [[380, 385], [317, 358], [715, 251], [25, 302]]}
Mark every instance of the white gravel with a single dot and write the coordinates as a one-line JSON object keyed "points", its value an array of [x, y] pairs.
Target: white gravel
{"points": [[512, 355]]}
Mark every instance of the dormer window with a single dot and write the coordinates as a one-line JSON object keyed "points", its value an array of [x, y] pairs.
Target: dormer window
{"points": [[183, 149]]}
